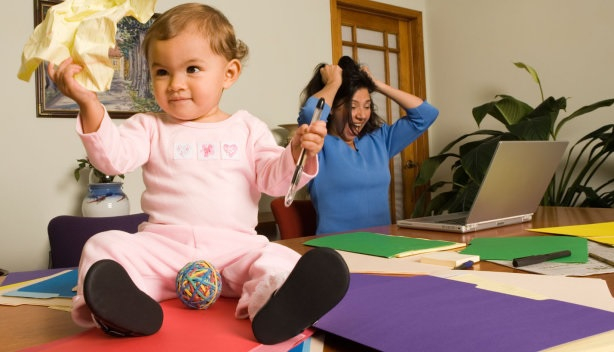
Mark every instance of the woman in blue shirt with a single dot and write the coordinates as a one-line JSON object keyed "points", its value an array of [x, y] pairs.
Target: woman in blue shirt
{"points": [[351, 188]]}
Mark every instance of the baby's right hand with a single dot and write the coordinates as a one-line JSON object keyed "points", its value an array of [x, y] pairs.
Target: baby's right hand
{"points": [[64, 78]]}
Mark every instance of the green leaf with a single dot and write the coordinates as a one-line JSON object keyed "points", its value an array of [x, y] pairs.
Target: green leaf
{"points": [[533, 74], [594, 200], [101, 177], [583, 110], [538, 124], [512, 110], [476, 158], [423, 207], [464, 198], [487, 133], [440, 202], [529, 69], [429, 166], [480, 112], [507, 110]]}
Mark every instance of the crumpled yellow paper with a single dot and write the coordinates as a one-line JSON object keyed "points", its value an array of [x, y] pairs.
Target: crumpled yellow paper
{"points": [[85, 30]]}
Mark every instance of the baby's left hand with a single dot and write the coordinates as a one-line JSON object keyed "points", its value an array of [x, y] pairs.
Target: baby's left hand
{"points": [[309, 137]]}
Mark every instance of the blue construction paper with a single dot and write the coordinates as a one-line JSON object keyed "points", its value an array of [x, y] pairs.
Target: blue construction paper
{"points": [[425, 313], [58, 286]]}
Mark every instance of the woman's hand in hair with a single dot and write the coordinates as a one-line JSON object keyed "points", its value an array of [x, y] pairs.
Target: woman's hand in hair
{"points": [[406, 100], [332, 79], [331, 74], [365, 69]]}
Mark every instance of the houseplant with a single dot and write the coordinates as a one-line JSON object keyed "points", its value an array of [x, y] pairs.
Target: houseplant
{"points": [[95, 175], [105, 197], [574, 185]]}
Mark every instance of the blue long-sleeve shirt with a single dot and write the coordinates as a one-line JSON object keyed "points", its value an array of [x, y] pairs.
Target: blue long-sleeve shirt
{"points": [[351, 188]]}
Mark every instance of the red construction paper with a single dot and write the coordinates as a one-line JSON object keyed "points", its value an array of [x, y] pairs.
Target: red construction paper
{"points": [[213, 329]]}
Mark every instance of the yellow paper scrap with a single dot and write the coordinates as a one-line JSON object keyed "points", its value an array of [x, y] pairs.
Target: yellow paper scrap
{"points": [[84, 30], [602, 232]]}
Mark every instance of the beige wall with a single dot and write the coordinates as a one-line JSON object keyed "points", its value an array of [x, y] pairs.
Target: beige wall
{"points": [[470, 47], [473, 44], [39, 155]]}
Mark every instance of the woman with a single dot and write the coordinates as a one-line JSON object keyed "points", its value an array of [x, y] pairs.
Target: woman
{"points": [[351, 189]]}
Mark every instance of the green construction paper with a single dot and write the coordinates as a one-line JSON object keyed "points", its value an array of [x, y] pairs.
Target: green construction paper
{"points": [[509, 248], [381, 245]]}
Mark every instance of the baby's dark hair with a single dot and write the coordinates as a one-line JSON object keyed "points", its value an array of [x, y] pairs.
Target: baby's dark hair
{"points": [[210, 22], [353, 79]]}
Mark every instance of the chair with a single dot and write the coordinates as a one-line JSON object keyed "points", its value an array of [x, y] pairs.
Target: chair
{"points": [[297, 220], [67, 234]]}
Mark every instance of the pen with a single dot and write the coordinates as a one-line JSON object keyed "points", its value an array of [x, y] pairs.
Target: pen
{"points": [[466, 265], [601, 259], [540, 258], [296, 177]]}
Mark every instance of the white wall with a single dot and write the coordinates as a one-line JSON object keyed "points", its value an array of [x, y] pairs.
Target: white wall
{"points": [[470, 46]]}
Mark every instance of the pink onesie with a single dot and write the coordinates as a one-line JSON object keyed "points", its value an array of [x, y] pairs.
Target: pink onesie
{"points": [[202, 186]]}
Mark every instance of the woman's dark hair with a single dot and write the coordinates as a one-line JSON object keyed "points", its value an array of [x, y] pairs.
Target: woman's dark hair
{"points": [[353, 80]]}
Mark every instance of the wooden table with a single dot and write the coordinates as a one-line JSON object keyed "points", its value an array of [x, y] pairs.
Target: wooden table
{"points": [[26, 326], [544, 217]]}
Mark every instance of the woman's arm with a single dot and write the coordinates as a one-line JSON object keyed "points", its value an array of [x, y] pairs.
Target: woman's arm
{"points": [[405, 100], [331, 76]]}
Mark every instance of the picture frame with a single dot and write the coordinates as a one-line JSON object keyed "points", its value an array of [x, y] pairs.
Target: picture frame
{"points": [[131, 90]]}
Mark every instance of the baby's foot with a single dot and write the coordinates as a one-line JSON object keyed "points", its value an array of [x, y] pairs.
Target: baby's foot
{"points": [[117, 305], [317, 283]]}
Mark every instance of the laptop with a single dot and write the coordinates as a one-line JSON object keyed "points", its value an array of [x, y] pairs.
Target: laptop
{"points": [[510, 193]]}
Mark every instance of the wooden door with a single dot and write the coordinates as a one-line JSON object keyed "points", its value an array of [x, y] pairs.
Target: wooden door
{"points": [[389, 40]]}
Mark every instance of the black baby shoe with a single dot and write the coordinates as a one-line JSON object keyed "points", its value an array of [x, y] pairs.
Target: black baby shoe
{"points": [[317, 283], [118, 306]]}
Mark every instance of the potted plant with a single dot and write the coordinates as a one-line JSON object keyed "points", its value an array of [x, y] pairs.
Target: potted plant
{"points": [[96, 176], [572, 186], [105, 197]]}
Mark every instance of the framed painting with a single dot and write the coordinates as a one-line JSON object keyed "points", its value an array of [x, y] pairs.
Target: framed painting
{"points": [[130, 91]]}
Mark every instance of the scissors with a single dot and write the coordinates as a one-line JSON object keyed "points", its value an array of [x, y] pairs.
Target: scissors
{"points": [[296, 177]]}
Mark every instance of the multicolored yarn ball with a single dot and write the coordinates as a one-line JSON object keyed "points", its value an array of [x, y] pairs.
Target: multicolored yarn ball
{"points": [[199, 284]]}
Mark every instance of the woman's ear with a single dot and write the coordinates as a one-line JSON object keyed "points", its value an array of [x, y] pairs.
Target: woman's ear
{"points": [[233, 71]]}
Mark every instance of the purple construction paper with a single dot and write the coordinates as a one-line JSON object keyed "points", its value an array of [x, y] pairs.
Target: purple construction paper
{"points": [[21, 276], [425, 313]]}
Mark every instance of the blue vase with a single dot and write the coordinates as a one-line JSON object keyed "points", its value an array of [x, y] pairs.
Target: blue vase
{"points": [[105, 199]]}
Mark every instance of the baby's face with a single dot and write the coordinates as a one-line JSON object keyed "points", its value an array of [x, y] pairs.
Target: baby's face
{"points": [[189, 78]]}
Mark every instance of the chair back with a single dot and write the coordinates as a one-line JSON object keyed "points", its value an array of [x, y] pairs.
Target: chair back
{"points": [[67, 234], [297, 220]]}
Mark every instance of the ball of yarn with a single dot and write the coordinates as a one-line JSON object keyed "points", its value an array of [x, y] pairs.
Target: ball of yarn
{"points": [[199, 284]]}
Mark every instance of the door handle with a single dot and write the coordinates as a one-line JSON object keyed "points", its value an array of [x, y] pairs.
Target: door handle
{"points": [[410, 164]]}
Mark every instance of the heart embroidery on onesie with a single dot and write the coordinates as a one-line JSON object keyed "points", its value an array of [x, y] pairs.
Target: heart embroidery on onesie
{"points": [[230, 151]]}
